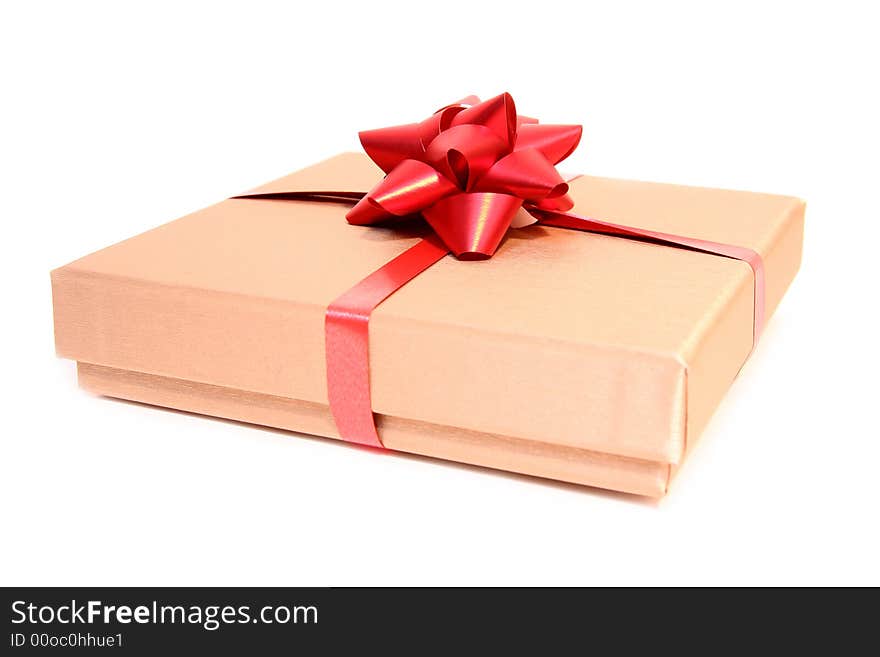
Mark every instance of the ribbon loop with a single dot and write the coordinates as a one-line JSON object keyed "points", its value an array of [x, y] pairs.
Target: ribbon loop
{"points": [[472, 224], [526, 174], [556, 142], [388, 147], [465, 152], [498, 114], [412, 185]]}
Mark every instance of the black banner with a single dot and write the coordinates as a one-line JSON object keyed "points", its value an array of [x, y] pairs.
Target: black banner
{"points": [[330, 621]]}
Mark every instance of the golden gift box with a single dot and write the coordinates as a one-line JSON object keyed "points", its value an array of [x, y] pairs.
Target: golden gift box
{"points": [[575, 356]]}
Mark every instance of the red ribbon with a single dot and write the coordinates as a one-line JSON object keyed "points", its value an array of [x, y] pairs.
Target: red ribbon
{"points": [[468, 170], [347, 339]]}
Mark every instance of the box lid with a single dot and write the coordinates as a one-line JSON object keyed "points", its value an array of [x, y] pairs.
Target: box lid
{"points": [[576, 339]]}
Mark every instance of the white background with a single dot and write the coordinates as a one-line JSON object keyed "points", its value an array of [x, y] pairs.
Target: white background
{"points": [[115, 118]]}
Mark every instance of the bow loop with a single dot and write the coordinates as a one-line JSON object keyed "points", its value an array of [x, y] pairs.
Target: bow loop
{"points": [[562, 203], [465, 152], [411, 186], [472, 224], [556, 142], [498, 114], [438, 122], [388, 147], [527, 174]]}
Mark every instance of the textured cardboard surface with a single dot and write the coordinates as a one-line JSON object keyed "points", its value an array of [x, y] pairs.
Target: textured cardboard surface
{"points": [[500, 452]]}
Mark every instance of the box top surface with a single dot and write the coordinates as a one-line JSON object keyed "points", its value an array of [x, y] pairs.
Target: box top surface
{"points": [[545, 282]]}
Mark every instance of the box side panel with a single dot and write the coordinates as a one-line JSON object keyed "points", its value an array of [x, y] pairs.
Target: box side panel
{"points": [[487, 450], [597, 397], [610, 400], [783, 255], [718, 350], [230, 340]]}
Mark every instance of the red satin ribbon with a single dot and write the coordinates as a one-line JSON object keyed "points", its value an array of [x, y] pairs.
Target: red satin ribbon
{"points": [[347, 339], [467, 170]]}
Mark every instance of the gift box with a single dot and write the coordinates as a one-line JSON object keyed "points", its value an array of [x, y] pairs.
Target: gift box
{"points": [[574, 355]]}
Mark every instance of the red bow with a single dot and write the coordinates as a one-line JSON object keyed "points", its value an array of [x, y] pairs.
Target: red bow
{"points": [[468, 169]]}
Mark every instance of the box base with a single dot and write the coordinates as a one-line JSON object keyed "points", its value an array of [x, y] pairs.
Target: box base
{"points": [[527, 457]]}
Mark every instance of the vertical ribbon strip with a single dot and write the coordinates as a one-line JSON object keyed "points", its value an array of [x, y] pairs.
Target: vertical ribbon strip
{"points": [[347, 339]]}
